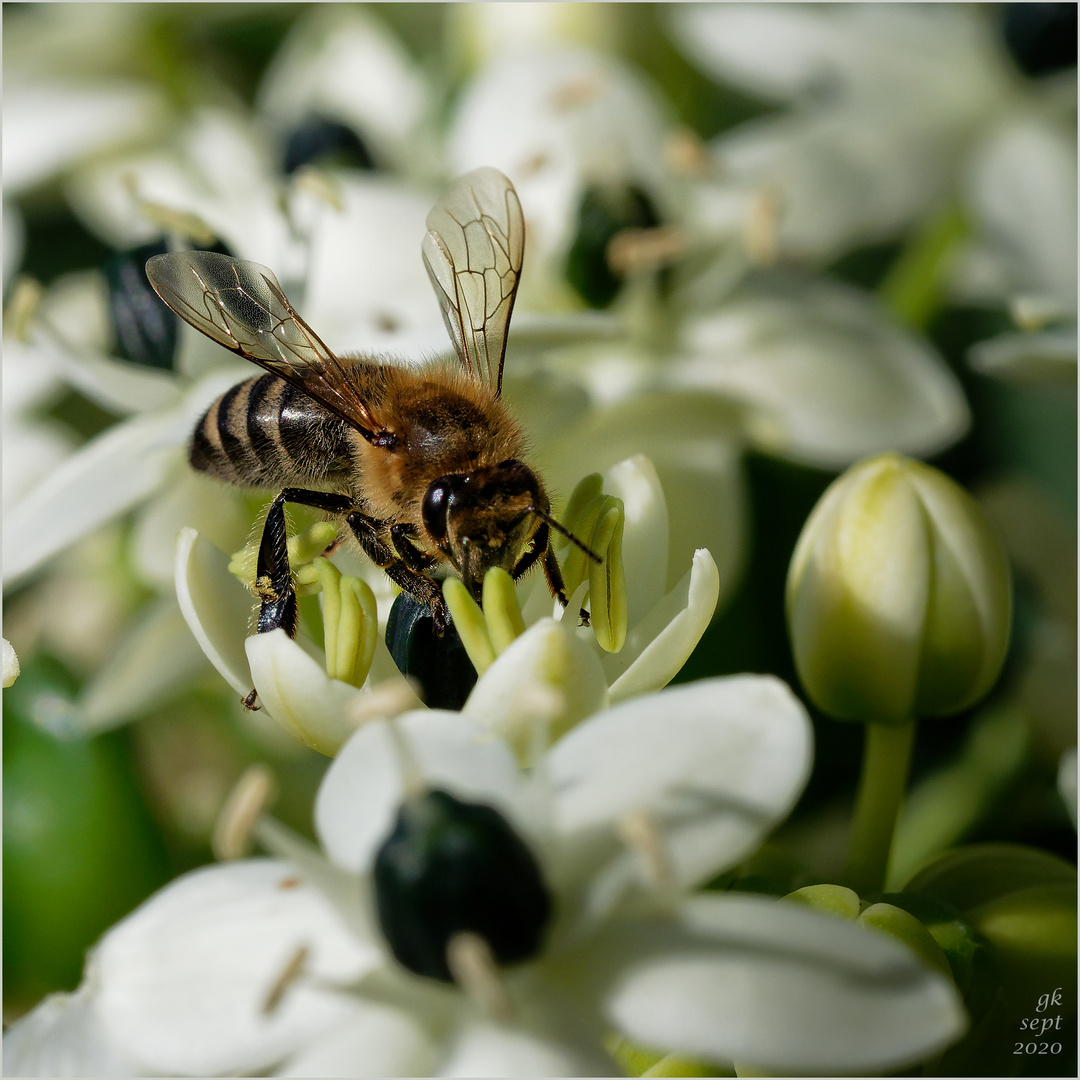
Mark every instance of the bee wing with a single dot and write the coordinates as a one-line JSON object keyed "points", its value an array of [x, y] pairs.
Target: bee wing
{"points": [[472, 251], [240, 305]]}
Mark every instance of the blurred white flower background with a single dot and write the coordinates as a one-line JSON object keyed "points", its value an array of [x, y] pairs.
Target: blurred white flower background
{"points": [[763, 242]]}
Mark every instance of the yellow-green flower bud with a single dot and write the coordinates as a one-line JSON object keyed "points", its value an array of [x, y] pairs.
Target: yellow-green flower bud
{"points": [[900, 924], [829, 900], [898, 595]]}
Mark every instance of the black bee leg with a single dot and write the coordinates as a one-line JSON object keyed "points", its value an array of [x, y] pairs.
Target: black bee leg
{"points": [[554, 577], [426, 590], [273, 575], [537, 548], [410, 554]]}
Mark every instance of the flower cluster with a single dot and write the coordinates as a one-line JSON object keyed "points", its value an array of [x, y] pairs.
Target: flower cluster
{"points": [[764, 245]]}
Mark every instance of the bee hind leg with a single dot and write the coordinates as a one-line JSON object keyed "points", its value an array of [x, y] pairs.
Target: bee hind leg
{"points": [[273, 575], [416, 583]]}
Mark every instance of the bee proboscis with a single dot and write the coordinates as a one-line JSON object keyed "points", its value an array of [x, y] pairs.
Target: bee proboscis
{"points": [[425, 465]]}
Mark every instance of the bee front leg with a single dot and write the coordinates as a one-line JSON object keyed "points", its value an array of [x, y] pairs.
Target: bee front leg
{"points": [[426, 590], [536, 548], [410, 554], [273, 575], [555, 578]]}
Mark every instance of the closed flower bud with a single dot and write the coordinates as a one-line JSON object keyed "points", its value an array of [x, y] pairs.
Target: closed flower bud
{"points": [[898, 595]]}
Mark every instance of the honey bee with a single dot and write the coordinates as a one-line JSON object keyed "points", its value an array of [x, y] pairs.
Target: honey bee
{"points": [[425, 465]]}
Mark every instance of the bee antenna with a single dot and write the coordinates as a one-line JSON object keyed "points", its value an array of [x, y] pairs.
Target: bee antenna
{"points": [[549, 520]]}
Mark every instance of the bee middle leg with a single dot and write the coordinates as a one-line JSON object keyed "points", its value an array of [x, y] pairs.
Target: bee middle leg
{"points": [[538, 548], [273, 575], [367, 531]]}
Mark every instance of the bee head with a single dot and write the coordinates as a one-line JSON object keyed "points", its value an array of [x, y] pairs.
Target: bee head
{"points": [[484, 518]]}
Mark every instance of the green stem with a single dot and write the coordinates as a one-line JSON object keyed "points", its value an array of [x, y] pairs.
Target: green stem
{"points": [[914, 288], [886, 757]]}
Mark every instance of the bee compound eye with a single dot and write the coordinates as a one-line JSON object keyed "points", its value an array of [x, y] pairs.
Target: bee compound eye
{"points": [[436, 507]]}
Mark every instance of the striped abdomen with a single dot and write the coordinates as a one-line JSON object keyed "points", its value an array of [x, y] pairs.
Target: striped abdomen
{"points": [[267, 433]]}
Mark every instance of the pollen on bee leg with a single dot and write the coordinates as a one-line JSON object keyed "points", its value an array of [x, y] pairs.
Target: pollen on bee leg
{"points": [[472, 965], [290, 973], [639, 832], [235, 826]]}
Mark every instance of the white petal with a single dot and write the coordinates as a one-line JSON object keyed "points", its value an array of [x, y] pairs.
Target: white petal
{"points": [[339, 63], [185, 979], [215, 510], [32, 451], [49, 126], [823, 179], [829, 378], [157, 657], [63, 1036], [297, 692], [481, 31], [713, 765], [1022, 185], [539, 687], [658, 646], [377, 1041], [935, 52], [99, 481], [785, 989], [359, 796], [773, 51], [116, 385], [486, 1049], [1046, 357], [554, 120], [366, 287], [216, 168], [216, 606]]}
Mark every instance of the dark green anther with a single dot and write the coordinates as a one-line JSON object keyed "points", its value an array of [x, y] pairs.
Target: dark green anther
{"points": [[441, 665], [451, 866]]}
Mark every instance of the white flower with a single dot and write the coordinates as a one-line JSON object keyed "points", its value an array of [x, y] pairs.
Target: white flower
{"points": [[52, 126], [894, 110], [884, 102], [820, 373], [1021, 187], [279, 967], [339, 63], [566, 668]]}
